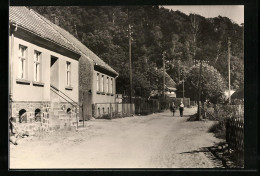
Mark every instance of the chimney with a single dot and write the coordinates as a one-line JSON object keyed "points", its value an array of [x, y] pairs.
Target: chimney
{"points": [[54, 19], [75, 30]]}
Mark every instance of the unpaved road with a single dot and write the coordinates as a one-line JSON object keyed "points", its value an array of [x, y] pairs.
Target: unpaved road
{"points": [[154, 141]]}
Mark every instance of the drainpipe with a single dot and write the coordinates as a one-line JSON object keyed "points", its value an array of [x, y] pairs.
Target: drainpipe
{"points": [[11, 65], [115, 86]]}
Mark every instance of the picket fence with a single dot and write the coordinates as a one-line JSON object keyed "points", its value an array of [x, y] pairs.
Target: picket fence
{"points": [[235, 134]]}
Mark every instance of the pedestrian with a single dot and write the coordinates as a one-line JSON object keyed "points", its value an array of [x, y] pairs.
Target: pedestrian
{"points": [[173, 108], [181, 107]]}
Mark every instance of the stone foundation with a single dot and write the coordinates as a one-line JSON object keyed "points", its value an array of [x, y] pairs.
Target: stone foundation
{"points": [[30, 108], [52, 116]]}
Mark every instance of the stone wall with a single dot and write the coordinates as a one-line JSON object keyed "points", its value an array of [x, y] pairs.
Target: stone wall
{"points": [[51, 117], [30, 108]]}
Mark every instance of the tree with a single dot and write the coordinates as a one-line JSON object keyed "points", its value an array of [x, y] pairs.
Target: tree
{"points": [[212, 83]]}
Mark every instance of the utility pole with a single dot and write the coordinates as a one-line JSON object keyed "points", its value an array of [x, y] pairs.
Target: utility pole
{"points": [[183, 89], [229, 99], [130, 62], [163, 74], [199, 111]]}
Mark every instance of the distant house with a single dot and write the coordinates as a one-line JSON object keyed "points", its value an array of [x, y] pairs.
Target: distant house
{"points": [[52, 74], [238, 94], [226, 94], [170, 86]]}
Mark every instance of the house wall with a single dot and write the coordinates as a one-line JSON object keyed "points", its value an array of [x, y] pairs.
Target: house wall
{"points": [[103, 101], [31, 92], [88, 86], [30, 96], [103, 97], [86, 68]]}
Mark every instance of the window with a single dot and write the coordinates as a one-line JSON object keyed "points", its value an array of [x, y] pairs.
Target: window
{"points": [[97, 81], [22, 62], [99, 113], [107, 85], [102, 83], [111, 85], [37, 61], [68, 73]]}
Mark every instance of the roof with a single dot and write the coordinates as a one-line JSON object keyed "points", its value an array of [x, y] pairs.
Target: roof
{"points": [[226, 93], [239, 94], [39, 25], [80, 46], [29, 20], [169, 82]]}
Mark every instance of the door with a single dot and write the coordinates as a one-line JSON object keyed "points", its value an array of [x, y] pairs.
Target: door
{"points": [[54, 78]]}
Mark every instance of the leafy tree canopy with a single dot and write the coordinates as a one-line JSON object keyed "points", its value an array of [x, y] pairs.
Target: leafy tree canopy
{"points": [[212, 83]]}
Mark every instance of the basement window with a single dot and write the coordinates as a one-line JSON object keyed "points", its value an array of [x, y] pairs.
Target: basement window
{"points": [[22, 115], [37, 114]]}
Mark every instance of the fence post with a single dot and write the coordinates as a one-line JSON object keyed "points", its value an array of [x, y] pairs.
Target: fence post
{"points": [[227, 132]]}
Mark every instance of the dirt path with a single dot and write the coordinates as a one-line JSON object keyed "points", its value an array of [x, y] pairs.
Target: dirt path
{"points": [[154, 141]]}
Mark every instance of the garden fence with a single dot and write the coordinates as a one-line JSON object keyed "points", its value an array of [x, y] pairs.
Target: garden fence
{"points": [[235, 134], [113, 110]]}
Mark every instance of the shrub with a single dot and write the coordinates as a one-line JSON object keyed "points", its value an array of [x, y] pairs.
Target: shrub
{"points": [[219, 129]]}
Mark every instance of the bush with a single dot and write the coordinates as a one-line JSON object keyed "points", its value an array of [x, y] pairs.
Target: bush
{"points": [[219, 129]]}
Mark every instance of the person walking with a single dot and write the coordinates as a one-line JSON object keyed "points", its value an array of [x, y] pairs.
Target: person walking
{"points": [[181, 108], [173, 108]]}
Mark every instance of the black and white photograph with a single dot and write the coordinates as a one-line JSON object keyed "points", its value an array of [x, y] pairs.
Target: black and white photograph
{"points": [[140, 86]]}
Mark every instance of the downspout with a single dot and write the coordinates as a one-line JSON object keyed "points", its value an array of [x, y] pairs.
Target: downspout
{"points": [[11, 66], [115, 86]]}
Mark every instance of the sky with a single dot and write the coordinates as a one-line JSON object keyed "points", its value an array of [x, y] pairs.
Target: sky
{"points": [[234, 12]]}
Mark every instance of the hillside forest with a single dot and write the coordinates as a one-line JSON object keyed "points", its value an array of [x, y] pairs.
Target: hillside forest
{"points": [[186, 39]]}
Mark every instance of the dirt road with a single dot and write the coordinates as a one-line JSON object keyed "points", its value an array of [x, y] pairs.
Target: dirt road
{"points": [[154, 141]]}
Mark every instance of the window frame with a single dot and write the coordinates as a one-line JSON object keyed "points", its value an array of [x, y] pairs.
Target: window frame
{"points": [[22, 63], [107, 84], [68, 74], [111, 85], [102, 83], [98, 82], [37, 75]]}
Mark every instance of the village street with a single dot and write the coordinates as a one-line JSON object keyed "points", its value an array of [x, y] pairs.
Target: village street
{"points": [[154, 141]]}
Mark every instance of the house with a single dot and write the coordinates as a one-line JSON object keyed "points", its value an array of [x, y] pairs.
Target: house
{"points": [[226, 94], [170, 86], [97, 80], [238, 94], [54, 79], [43, 67]]}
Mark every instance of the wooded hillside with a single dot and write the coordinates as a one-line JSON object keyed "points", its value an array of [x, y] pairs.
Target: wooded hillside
{"points": [[155, 29]]}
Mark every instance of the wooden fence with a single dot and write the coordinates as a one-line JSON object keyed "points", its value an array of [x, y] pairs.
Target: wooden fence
{"points": [[113, 110], [235, 134], [145, 107]]}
